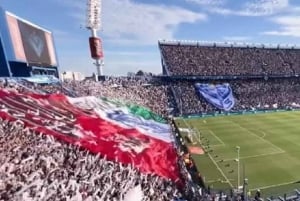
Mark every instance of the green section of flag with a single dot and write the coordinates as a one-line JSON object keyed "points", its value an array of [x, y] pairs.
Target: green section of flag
{"points": [[137, 110], [145, 113]]}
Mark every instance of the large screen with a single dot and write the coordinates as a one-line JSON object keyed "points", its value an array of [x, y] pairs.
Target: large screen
{"points": [[31, 44]]}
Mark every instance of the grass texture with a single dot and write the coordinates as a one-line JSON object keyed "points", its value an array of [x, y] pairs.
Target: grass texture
{"points": [[269, 150]]}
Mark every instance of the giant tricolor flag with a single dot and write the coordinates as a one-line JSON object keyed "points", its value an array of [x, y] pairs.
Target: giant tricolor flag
{"points": [[101, 126]]}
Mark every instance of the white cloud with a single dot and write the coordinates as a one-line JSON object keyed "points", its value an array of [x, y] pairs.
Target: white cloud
{"points": [[252, 8], [128, 22], [144, 23], [289, 26], [237, 38], [208, 2], [221, 11], [264, 7]]}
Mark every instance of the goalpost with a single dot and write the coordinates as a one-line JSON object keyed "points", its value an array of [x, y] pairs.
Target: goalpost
{"points": [[194, 136]]}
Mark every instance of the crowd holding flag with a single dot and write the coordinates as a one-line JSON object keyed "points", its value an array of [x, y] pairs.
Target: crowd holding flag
{"points": [[99, 126]]}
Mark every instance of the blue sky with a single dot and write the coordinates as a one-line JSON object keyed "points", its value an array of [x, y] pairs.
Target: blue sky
{"points": [[131, 28]]}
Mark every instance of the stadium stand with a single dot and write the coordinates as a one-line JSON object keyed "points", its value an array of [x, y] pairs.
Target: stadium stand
{"points": [[35, 166], [260, 78], [216, 59], [57, 180], [127, 90], [249, 95]]}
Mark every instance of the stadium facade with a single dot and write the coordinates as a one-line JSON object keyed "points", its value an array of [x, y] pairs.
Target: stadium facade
{"points": [[26, 49]]}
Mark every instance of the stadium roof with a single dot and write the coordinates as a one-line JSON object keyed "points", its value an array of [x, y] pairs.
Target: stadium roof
{"points": [[226, 44]]}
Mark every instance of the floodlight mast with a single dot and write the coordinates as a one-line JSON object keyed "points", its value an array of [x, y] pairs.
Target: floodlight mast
{"points": [[94, 24]]}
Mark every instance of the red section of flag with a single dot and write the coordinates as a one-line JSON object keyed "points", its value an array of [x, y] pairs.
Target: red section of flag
{"points": [[54, 115]]}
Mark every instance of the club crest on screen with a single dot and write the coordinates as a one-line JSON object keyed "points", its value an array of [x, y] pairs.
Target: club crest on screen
{"points": [[37, 43]]}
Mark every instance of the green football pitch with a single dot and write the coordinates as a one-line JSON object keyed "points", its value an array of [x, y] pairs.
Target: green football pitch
{"points": [[269, 150]]}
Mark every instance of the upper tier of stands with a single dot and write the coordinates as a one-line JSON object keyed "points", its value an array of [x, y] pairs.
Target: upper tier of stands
{"points": [[225, 59]]}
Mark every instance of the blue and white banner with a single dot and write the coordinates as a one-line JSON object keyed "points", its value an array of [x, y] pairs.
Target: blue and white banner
{"points": [[42, 79], [218, 95]]}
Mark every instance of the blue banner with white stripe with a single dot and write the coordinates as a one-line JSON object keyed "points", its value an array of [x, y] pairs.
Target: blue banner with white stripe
{"points": [[219, 95], [42, 79]]}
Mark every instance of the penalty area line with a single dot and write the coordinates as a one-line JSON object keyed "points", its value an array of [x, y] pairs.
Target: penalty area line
{"points": [[213, 134], [211, 158], [275, 185], [256, 156], [257, 136], [218, 167], [220, 170]]}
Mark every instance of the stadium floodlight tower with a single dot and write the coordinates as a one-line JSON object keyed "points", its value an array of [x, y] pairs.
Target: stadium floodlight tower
{"points": [[93, 23]]}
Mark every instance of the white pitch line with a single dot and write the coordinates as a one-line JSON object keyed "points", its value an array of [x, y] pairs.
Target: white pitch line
{"points": [[218, 168], [217, 145], [275, 185], [187, 125], [264, 134], [256, 156], [214, 162], [213, 134], [212, 181], [253, 134], [217, 180]]}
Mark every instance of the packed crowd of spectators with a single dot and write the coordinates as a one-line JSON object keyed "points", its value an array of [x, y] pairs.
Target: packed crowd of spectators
{"points": [[36, 167], [271, 94], [161, 97], [126, 89], [248, 94], [189, 102], [229, 61], [57, 170], [131, 90]]}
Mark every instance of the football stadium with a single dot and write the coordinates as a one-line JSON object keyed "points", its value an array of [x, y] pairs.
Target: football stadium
{"points": [[220, 123]]}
